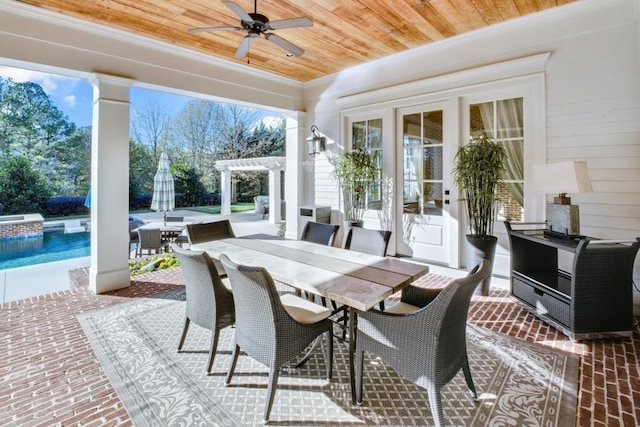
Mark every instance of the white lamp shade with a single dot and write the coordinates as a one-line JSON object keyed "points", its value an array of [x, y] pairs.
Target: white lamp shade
{"points": [[561, 177]]}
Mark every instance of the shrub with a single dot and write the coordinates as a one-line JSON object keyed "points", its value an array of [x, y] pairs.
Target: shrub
{"points": [[209, 199], [158, 262], [141, 201], [66, 206], [22, 189]]}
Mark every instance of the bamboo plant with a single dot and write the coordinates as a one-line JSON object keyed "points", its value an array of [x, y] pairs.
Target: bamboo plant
{"points": [[479, 166], [354, 171]]}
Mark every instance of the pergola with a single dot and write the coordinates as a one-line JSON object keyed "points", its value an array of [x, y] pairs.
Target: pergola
{"points": [[274, 165]]}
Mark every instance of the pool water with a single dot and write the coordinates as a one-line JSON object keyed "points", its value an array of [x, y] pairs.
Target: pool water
{"points": [[52, 246]]}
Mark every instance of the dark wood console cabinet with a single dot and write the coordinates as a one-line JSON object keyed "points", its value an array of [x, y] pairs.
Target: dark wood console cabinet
{"points": [[594, 299]]}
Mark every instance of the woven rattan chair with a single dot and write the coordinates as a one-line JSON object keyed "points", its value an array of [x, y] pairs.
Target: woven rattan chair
{"points": [[151, 240], [273, 329], [423, 337], [374, 242], [134, 239], [209, 303], [316, 232], [208, 231]]}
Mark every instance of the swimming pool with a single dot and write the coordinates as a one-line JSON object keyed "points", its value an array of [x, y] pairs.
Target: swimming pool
{"points": [[52, 246]]}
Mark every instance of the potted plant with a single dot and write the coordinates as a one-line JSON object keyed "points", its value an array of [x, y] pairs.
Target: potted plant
{"points": [[354, 171], [478, 169]]}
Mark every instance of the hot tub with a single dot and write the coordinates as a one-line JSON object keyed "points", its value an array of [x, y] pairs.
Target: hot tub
{"points": [[20, 226]]}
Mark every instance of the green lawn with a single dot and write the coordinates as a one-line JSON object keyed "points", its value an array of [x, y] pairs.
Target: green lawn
{"points": [[237, 207]]}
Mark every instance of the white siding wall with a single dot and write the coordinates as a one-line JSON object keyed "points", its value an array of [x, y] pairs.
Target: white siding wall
{"points": [[592, 82]]}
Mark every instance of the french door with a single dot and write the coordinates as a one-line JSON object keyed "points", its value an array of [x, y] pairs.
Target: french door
{"points": [[426, 143]]}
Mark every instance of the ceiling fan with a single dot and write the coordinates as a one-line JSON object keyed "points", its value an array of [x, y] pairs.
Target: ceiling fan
{"points": [[255, 25]]}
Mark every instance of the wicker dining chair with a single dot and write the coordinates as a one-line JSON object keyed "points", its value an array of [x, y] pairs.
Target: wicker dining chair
{"points": [[134, 238], [272, 329], [209, 303], [208, 231], [151, 240], [366, 241], [423, 337], [316, 232]]}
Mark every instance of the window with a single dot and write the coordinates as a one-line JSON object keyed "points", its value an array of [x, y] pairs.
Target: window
{"points": [[422, 163], [367, 135], [503, 122]]}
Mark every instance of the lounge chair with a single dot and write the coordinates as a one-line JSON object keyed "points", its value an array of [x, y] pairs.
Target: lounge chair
{"points": [[73, 226]]}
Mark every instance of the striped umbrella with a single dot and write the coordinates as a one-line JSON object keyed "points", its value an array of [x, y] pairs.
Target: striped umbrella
{"points": [[163, 190]]}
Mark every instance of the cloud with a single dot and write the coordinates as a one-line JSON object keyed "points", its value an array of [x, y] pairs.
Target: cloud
{"points": [[70, 101], [51, 84], [271, 121]]}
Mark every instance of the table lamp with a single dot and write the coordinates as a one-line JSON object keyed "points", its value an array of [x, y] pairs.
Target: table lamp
{"points": [[561, 178]]}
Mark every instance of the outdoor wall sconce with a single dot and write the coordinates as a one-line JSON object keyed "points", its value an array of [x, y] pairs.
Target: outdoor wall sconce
{"points": [[316, 142]]}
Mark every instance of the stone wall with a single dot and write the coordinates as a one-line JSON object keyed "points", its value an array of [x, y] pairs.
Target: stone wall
{"points": [[20, 226]]}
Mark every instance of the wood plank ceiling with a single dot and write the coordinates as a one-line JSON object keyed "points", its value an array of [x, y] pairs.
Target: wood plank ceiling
{"points": [[344, 32]]}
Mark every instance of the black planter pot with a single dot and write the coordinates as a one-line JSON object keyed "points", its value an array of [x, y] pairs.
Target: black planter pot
{"points": [[479, 248]]}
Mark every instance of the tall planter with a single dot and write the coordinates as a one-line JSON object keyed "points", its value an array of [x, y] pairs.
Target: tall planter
{"points": [[479, 248], [478, 170]]}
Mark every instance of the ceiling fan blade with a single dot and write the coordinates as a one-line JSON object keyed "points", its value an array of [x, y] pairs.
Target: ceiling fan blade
{"points": [[206, 29], [286, 45], [289, 23], [243, 49], [238, 11]]}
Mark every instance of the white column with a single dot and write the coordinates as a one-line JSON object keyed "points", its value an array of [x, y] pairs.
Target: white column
{"points": [[225, 191], [109, 183], [274, 196], [295, 175]]}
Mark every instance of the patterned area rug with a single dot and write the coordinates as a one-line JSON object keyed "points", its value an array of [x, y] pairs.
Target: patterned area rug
{"points": [[519, 383]]}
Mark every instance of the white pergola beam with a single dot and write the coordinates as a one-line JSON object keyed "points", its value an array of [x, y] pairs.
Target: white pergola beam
{"points": [[272, 164]]}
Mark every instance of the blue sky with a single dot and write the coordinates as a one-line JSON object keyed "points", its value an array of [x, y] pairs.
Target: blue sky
{"points": [[73, 96]]}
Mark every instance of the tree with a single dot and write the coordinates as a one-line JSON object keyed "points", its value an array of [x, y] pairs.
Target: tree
{"points": [[73, 166], [31, 123], [150, 126], [22, 189], [187, 183], [33, 127], [141, 169], [195, 129]]}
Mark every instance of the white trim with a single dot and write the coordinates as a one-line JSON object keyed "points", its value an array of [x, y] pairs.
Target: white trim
{"points": [[456, 81], [253, 164]]}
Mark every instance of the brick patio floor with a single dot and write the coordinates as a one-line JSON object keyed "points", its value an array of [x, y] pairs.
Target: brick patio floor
{"points": [[51, 376]]}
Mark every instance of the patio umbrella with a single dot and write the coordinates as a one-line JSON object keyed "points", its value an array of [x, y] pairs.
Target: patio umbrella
{"points": [[163, 190]]}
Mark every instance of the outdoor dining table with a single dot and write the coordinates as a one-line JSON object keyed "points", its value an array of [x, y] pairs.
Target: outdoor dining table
{"points": [[168, 227], [359, 281]]}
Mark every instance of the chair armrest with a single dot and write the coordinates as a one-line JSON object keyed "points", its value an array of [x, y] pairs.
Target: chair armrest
{"points": [[419, 297]]}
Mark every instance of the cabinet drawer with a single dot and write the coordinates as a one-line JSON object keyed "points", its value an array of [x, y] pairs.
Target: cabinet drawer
{"points": [[545, 304]]}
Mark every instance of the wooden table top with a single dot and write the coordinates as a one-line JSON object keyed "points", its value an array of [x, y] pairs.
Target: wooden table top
{"points": [[358, 280]]}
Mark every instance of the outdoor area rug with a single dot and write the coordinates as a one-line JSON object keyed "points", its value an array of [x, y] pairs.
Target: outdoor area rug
{"points": [[518, 383]]}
